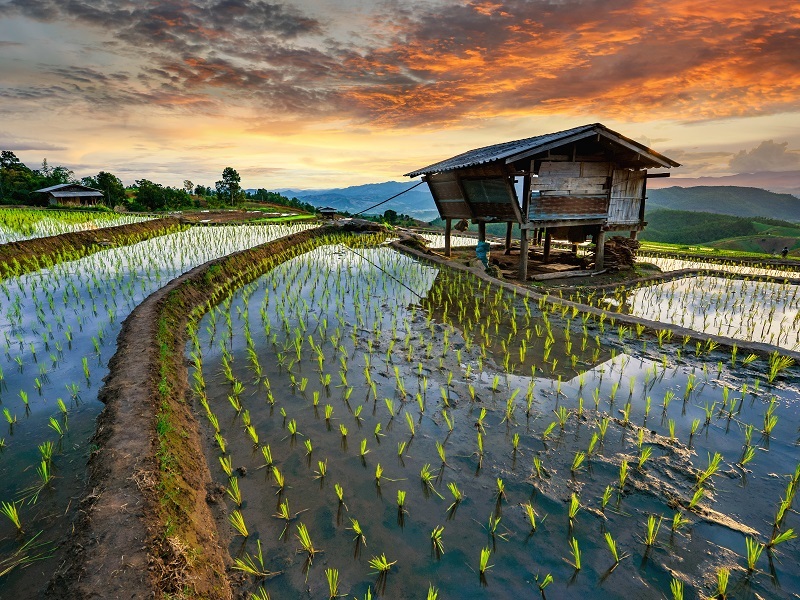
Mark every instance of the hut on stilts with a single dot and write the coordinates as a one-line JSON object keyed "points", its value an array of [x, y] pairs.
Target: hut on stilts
{"points": [[581, 182]]}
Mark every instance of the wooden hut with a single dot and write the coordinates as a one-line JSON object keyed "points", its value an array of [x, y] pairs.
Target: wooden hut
{"points": [[584, 181], [326, 212], [71, 194]]}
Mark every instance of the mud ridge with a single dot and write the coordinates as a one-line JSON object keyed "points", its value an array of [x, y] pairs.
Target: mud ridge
{"points": [[25, 256]]}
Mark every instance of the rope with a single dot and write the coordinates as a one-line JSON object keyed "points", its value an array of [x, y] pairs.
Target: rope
{"points": [[383, 270], [392, 198]]}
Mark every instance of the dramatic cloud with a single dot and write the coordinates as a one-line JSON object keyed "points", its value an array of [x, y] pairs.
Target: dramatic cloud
{"points": [[767, 156], [160, 74], [444, 62]]}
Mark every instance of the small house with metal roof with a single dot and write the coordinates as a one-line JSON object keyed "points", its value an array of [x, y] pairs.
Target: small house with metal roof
{"points": [[71, 194], [584, 181]]}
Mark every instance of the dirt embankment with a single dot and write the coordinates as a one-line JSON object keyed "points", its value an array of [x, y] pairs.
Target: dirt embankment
{"points": [[17, 258], [146, 529]]}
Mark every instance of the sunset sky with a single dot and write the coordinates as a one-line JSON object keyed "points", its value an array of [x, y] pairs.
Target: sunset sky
{"points": [[327, 93]]}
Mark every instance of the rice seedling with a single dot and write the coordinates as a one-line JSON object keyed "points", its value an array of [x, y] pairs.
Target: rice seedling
{"points": [[723, 575], [754, 550], [576, 554], [530, 514], [254, 566], [9, 509], [427, 478], [233, 491], [779, 538], [483, 564], [574, 507], [355, 527], [676, 588], [332, 577], [679, 521], [436, 540], [381, 564], [651, 530], [280, 481], [500, 491], [623, 474], [606, 496], [306, 545], [577, 462], [542, 585], [710, 470], [236, 519]]}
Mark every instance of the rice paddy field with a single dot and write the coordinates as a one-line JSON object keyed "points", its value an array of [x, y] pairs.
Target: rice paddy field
{"points": [[20, 224], [379, 425], [383, 426], [58, 329]]}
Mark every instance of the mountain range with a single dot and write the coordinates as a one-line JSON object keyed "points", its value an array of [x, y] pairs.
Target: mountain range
{"points": [[720, 199]]}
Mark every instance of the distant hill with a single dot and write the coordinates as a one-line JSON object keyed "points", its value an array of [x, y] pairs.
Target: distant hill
{"points": [[728, 200], [721, 231], [781, 182], [418, 202]]}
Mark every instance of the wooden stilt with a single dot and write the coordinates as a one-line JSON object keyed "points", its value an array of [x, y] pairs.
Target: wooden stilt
{"points": [[523, 229], [509, 227], [548, 238], [600, 250], [447, 225], [634, 234], [481, 231]]}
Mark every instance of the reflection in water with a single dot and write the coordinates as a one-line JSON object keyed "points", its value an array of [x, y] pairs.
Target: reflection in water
{"points": [[419, 426]]}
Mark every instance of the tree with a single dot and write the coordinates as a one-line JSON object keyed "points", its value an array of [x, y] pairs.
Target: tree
{"points": [[228, 188], [17, 181], [188, 186], [112, 188]]}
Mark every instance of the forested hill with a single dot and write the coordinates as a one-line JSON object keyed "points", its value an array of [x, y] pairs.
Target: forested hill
{"points": [[727, 200]]}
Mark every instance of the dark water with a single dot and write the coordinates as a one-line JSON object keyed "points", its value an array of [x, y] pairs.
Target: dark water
{"points": [[344, 302]]}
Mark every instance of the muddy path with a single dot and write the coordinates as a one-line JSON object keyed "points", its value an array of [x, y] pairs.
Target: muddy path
{"points": [[17, 258]]}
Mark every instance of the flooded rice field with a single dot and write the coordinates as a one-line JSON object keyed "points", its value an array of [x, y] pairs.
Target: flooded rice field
{"points": [[378, 426], [747, 310], [20, 224], [677, 264], [58, 330]]}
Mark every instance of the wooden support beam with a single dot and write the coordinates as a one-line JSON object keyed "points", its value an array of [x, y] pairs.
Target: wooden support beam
{"points": [[523, 230], [600, 250], [447, 225], [548, 238], [509, 227], [481, 231]]}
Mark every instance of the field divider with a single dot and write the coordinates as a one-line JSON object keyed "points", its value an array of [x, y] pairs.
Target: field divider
{"points": [[18, 258], [758, 348], [146, 529]]}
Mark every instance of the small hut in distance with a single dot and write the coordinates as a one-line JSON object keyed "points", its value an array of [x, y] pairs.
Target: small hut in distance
{"points": [[584, 181], [71, 194]]}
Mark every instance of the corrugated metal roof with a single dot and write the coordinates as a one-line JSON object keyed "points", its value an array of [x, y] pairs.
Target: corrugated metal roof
{"points": [[53, 188], [89, 193], [496, 152]]}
